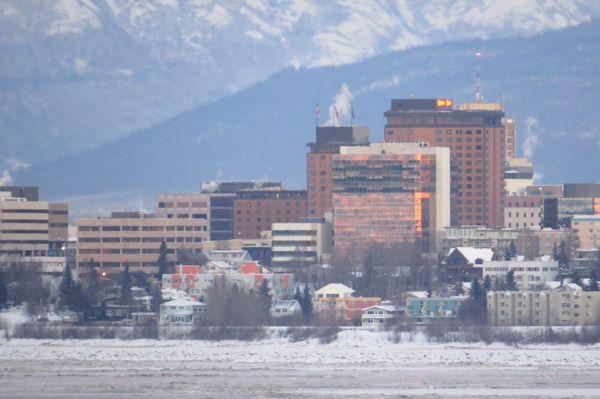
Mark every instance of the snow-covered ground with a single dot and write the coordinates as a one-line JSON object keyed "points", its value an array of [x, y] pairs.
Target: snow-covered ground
{"points": [[358, 364]]}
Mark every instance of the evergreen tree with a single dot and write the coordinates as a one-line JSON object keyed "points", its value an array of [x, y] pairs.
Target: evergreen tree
{"points": [[563, 255], [3, 291], [265, 297], [162, 260], [299, 298], [126, 285], [576, 279], [511, 251], [156, 293], [477, 293], [510, 284], [94, 287], [593, 286], [487, 283], [307, 309], [555, 252], [68, 289]]}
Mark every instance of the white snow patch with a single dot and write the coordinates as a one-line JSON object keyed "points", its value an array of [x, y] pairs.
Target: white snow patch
{"points": [[74, 17]]}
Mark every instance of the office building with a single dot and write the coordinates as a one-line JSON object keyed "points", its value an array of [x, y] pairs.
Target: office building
{"points": [[523, 211], [518, 175], [24, 226], [390, 193], [319, 179], [305, 243], [529, 274], [476, 138], [134, 238], [58, 227], [256, 210], [183, 206], [498, 240]]}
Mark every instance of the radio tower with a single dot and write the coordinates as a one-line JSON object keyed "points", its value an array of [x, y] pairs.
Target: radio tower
{"points": [[477, 82]]}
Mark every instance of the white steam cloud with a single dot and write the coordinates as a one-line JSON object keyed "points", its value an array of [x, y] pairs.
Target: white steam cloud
{"points": [[342, 103], [531, 138], [14, 165]]}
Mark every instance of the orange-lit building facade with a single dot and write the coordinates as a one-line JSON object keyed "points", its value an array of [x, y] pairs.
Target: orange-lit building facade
{"points": [[319, 179], [255, 211], [476, 138], [389, 194]]}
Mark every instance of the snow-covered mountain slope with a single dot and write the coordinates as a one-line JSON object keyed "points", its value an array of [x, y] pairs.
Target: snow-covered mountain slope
{"points": [[77, 73]]}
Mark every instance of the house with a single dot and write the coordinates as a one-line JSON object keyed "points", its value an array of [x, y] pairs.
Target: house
{"points": [[378, 316], [336, 302], [462, 263], [285, 308], [433, 308], [182, 311]]}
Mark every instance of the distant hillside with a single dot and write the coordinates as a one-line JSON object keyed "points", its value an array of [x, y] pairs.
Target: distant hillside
{"points": [[549, 83]]}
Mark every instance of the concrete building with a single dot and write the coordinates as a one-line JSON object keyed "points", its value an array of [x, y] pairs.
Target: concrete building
{"points": [[256, 211], [555, 191], [30, 193], [58, 227], [586, 262], [328, 141], [390, 193], [533, 243], [476, 138], [184, 206], [134, 238], [523, 211], [379, 316], [498, 240], [581, 190], [24, 226], [510, 132], [567, 305], [529, 274], [518, 175], [587, 228], [295, 245]]}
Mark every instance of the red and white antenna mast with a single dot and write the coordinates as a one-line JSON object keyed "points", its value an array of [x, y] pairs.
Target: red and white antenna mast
{"points": [[478, 97]]}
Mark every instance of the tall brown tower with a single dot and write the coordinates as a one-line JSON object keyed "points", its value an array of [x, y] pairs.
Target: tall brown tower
{"points": [[319, 159], [476, 138]]}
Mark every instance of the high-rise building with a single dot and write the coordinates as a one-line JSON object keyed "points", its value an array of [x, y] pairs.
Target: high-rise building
{"points": [[318, 164], [23, 226], [510, 132], [390, 193], [518, 175], [476, 138]]}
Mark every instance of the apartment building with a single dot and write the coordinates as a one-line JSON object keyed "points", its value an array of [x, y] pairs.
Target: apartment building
{"points": [[533, 243], [328, 141], [529, 274], [337, 302], [134, 238], [296, 245], [389, 194], [183, 206], [567, 305], [476, 138], [499, 240]]}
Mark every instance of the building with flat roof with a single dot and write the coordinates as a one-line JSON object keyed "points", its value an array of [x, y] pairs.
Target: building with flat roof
{"points": [[134, 238], [390, 193], [523, 211], [498, 240], [518, 175], [255, 211], [529, 274], [587, 228], [476, 138], [328, 141], [301, 244], [24, 226]]}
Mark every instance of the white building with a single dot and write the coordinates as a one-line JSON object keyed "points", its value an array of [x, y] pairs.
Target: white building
{"points": [[181, 311], [301, 244], [334, 290], [379, 315], [285, 308], [529, 274]]}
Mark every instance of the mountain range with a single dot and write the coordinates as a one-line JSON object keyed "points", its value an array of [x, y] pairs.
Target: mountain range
{"points": [[548, 83], [76, 74]]}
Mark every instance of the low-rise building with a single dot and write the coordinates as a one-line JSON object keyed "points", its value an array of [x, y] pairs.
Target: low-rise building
{"points": [[181, 311], [523, 211], [336, 302], [587, 228], [566, 305], [529, 274], [464, 263], [498, 240], [378, 316], [433, 308], [296, 245], [285, 308]]}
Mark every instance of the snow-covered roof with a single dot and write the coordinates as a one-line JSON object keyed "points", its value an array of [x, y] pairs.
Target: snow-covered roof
{"points": [[418, 294], [172, 293], [472, 254], [387, 308], [182, 302], [336, 287], [284, 303]]}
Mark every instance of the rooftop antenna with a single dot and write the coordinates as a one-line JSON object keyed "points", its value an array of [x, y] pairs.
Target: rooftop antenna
{"points": [[478, 97]]}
